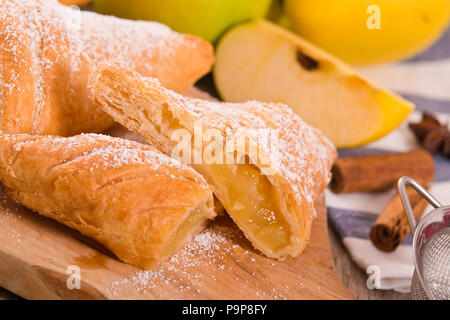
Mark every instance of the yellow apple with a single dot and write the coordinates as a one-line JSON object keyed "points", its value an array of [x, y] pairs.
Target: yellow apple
{"points": [[204, 18], [265, 62], [369, 31]]}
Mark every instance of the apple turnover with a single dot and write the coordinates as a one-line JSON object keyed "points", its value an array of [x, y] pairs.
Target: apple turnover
{"points": [[47, 51], [271, 201], [139, 203]]}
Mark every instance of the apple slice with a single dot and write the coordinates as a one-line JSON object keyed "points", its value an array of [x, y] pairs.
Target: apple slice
{"points": [[261, 61]]}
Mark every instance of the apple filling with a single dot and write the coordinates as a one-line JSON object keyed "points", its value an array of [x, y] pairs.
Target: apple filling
{"points": [[186, 229], [247, 195], [251, 200]]}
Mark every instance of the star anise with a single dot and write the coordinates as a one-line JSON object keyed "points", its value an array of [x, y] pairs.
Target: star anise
{"points": [[432, 134]]}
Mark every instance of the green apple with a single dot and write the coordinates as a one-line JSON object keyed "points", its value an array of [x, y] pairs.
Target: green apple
{"points": [[205, 18]]}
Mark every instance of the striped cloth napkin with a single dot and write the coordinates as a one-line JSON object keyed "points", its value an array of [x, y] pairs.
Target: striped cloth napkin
{"points": [[425, 80]]}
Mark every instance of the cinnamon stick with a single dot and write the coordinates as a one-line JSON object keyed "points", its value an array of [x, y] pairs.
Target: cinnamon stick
{"points": [[392, 226], [380, 172]]}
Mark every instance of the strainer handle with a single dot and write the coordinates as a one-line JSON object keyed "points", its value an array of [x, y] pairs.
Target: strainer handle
{"points": [[407, 204]]}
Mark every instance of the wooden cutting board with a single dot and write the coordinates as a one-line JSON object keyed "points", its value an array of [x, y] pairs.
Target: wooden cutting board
{"points": [[35, 253]]}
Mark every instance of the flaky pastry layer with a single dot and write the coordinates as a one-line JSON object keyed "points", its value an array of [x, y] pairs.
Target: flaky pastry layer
{"points": [[305, 155], [139, 203], [47, 51]]}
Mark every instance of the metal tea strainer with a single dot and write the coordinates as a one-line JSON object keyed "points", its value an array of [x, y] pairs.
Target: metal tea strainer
{"points": [[431, 245]]}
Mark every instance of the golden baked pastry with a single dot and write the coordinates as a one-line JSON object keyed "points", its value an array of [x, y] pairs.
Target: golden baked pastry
{"points": [[74, 2], [121, 132], [133, 199], [274, 208], [47, 51]]}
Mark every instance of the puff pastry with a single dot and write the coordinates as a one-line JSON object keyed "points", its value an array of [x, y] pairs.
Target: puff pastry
{"points": [[47, 51], [138, 202], [274, 209], [121, 132]]}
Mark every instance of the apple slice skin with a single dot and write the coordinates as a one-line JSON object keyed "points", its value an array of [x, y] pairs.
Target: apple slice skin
{"points": [[261, 61]]}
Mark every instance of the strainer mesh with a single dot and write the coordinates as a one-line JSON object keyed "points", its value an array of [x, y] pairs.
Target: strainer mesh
{"points": [[436, 265]]}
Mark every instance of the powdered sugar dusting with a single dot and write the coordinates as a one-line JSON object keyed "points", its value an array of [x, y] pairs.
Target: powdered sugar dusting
{"points": [[205, 244], [305, 154], [105, 152], [46, 45], [9, 214], [212, 256]]}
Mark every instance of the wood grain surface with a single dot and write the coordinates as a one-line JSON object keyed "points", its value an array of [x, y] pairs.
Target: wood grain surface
{"points": [[35, 253], [352, 276]]}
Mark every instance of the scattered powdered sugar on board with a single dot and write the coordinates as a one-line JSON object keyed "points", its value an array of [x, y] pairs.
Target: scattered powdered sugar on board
{"points": [[183, 264], [9, 214], [212, 255]]}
